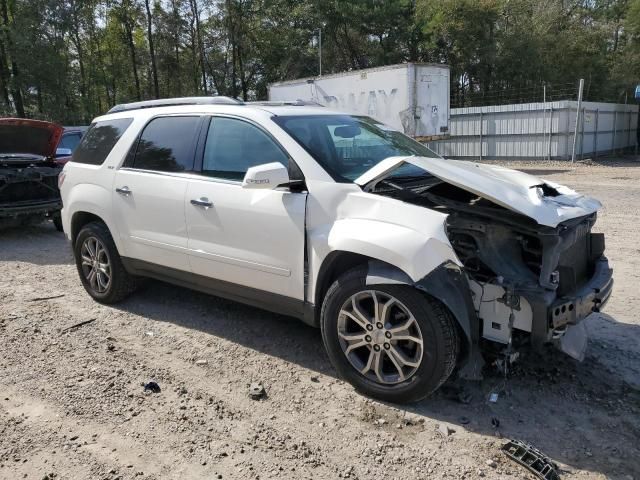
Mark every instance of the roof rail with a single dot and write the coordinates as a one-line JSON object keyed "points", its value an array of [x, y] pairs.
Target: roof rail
{"points": [[171, 102], [286, 103]]}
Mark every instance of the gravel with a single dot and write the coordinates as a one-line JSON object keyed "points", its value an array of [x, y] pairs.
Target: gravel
{"points": [[72, 404]]}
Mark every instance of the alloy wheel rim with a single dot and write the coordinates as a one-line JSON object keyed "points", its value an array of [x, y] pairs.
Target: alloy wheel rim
{"points": [[96, 265], [380, 337]]}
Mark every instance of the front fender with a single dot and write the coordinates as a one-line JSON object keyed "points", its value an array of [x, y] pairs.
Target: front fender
{"points": [[407, 249]]}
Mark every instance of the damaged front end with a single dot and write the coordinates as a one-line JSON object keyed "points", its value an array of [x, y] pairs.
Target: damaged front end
{"points": [[28, 194], [528, 283], [28, 174]]}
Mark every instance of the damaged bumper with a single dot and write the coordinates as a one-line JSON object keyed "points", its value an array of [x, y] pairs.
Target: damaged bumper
{"points": [[566, 315], [553, 316], [29, 208], [590, 298], [23, 213]]}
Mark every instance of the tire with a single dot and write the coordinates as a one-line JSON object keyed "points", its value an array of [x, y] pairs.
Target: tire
{"points": [[428, 318], [57, 222], [121, 284]]}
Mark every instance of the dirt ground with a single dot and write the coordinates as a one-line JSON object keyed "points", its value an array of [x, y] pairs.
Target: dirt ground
{"points": [[72, 404]]}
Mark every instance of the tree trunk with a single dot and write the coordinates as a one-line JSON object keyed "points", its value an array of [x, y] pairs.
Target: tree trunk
{"points": [[15, 74], [75, 34], [230, 21], [176, 47], [132, 52], [4, 76], [196, 16], [154, 69]]}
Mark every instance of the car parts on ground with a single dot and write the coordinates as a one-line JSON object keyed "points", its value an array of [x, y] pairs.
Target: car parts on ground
{"points": [[532, 459]]}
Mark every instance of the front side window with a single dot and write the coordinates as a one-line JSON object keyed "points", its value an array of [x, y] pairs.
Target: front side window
{"points": [[347, 146], [167, 144], [233, 146], [99, 140]]}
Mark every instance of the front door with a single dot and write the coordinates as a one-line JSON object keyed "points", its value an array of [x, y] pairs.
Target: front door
{"points": [[251, 238]]}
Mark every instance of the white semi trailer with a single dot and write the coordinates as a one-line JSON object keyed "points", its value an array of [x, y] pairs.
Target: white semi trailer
{"points": [[411, 97]]}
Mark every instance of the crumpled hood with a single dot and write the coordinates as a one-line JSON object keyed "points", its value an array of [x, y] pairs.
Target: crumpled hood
{"points": [[29, 137], [517, 191]]}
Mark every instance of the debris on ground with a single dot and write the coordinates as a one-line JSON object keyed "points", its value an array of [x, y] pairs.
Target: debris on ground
{"points": [[202, 362], [495, 423], [77, 325], [445, 430], [152, 387], [493, 397], [532, 459], [491, 463], [39, 299], [257, 391]]}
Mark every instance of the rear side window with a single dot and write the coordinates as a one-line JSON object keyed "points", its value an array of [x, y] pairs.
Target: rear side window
{"points": [[233, 146], [101, 137], [167, 144]]}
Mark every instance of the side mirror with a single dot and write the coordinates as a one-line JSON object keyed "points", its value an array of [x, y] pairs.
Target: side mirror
{"points": [[266, 176], [63, 152]]}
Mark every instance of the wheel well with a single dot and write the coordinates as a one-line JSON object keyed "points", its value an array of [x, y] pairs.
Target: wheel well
{"points": [[333, 266], [79, 220]]}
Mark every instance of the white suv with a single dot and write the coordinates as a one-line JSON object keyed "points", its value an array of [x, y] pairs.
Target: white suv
{"points": [[412, 265]]}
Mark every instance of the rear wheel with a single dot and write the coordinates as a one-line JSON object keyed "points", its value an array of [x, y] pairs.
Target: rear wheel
{"points": [[391, 342], [100, 266]]}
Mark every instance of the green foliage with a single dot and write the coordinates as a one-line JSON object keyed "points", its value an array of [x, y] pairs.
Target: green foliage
{"points": [[70, 60]]}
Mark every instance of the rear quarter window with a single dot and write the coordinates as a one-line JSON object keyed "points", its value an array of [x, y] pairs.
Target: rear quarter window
{"points": [[99, 140]]}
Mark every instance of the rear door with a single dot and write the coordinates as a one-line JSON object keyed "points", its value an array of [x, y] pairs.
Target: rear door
{"points": [[250, 238], [149, 191]]}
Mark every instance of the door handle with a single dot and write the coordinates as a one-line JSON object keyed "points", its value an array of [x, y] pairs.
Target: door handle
{"points": [[202, 202], [123, 191]]}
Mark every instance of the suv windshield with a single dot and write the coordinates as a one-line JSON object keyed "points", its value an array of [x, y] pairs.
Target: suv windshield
{"points": [[347, 146]]}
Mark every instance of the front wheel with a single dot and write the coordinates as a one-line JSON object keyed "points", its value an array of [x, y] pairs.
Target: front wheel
{"points": [[392, 342]]}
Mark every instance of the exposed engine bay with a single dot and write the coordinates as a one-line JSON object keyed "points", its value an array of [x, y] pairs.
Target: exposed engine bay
{"points": [[530, 284], [28, 193]]}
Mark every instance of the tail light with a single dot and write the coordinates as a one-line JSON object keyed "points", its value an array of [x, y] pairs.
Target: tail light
{"points": [[61, 178]]}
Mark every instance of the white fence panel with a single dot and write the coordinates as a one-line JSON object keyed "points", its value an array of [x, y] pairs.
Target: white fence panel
{"points": [[540, 130]]}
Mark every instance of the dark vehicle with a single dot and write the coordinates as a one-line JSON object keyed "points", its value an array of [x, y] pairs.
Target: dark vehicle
{"points": [[28, 173], [70, 140]]}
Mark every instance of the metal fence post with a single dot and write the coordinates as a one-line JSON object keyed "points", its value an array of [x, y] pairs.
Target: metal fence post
{"points": [[575, 133], [584, 110], [567, 152], [629, 130], [480, 135], [550, 132], [595, 136], [615, 130]]}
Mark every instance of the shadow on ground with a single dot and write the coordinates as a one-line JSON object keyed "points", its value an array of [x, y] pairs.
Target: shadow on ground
{"points": [[545, 395]]}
